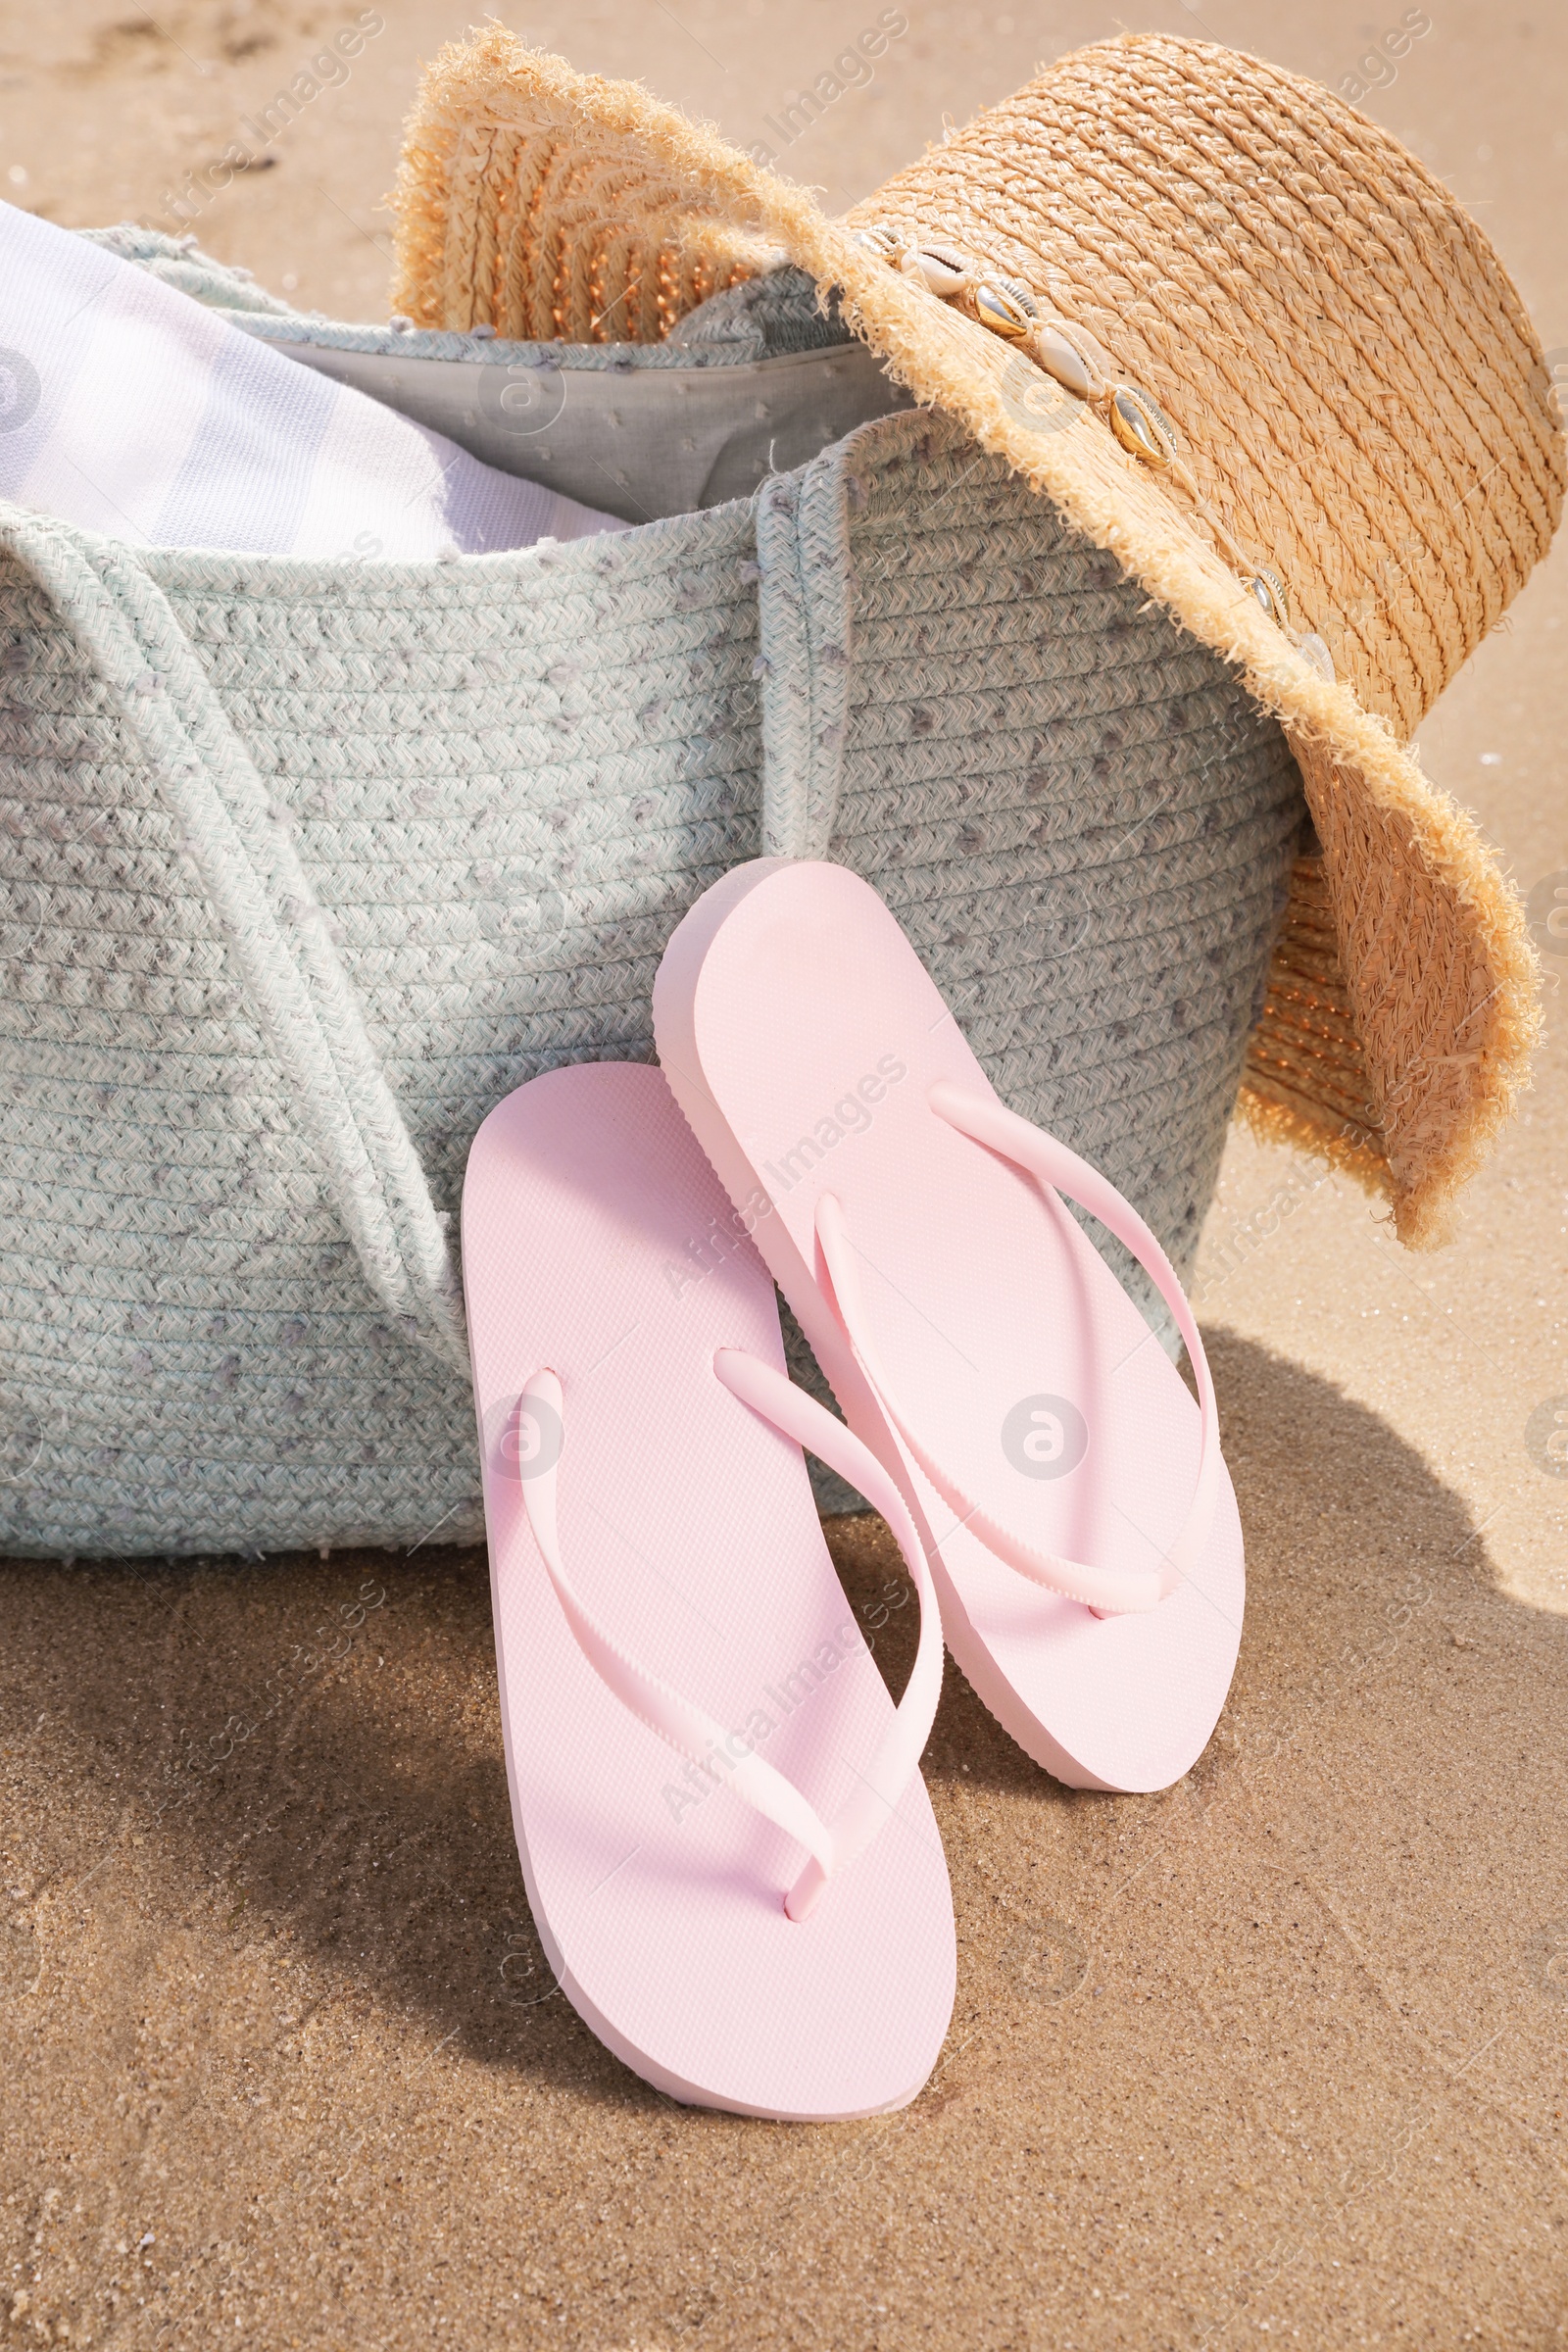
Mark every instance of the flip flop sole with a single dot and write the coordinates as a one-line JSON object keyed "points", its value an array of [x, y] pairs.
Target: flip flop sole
{"points": [[802, 1036], [599, 1244]]}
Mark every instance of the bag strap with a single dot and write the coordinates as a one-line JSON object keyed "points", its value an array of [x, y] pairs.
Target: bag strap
{"points": [[804, 620], [238, 841]]}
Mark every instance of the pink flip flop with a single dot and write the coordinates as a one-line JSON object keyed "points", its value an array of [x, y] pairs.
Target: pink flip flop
{"points": [[728, 1849], [1073, 1498]]}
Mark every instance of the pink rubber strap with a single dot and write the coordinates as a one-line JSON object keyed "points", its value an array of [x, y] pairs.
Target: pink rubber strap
{"points": [[1109, 1591], [689, 1728], [875, 1796]]}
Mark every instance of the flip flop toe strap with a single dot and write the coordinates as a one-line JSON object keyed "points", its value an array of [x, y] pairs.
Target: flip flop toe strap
{"points": [[1108, 1591], [689, 1728]]}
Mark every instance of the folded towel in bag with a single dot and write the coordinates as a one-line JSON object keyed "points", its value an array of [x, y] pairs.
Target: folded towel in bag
{"points": [[133, 409]]}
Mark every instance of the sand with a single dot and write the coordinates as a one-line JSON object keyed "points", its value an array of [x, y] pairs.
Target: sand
{"points": [[1282, 2052]]}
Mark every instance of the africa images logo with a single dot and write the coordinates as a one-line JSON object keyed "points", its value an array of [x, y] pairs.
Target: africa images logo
{"points": [[523, 1437], [20, 390], [1547, 1437], [1035, 400], [1045, 1437], [703, 1774]]}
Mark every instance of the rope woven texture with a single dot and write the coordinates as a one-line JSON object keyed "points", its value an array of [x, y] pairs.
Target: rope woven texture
{"points": [[378, 841]]}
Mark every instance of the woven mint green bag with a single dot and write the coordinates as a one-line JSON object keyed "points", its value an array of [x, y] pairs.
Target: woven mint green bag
{"points": [[303, 865]]}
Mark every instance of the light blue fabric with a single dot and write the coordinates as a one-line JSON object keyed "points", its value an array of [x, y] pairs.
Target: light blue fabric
{"points": [[303, 865]]}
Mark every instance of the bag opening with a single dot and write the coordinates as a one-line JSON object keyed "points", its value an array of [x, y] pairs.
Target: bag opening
{"points": [[755, 382], [636, 442]]}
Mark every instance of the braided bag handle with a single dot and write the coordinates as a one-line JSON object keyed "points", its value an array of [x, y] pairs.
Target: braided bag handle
{"points": [[805, 628], [295, 984], [239, 842]]}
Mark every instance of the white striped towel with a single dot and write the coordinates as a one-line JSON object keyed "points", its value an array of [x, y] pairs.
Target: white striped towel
{"points": [[133, 409]]}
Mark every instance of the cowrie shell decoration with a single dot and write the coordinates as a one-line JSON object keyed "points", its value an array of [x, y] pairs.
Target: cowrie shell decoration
{"points": [[1051, 349], [1312, 650], [1269, 589], [1139, 428], [1005, 306], [1008, 308], [939, 268]]}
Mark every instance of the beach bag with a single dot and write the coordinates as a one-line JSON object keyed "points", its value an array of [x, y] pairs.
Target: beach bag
{"points": [[303, 865]]}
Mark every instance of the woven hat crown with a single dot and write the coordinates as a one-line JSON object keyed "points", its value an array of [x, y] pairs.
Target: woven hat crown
{"points": [[1355, 382]]}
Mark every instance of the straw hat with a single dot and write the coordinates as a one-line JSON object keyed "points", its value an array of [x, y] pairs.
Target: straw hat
{"points": [[1244, 342]]}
